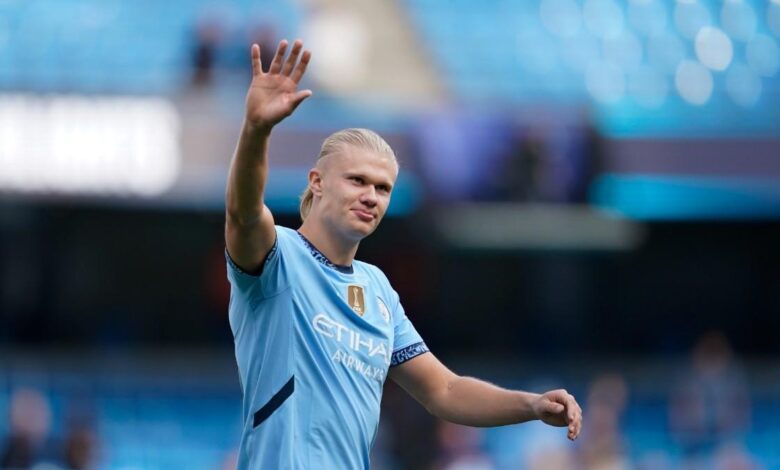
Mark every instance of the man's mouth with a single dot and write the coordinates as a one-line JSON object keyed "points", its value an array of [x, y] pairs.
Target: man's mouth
{"points": [[365, 216]]}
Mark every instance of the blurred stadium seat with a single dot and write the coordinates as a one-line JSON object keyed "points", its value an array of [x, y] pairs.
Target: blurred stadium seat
{"points": [[624, 56], [85, 46]]}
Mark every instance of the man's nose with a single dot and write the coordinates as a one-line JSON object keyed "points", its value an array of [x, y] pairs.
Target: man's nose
{"points": [[369, 196]]}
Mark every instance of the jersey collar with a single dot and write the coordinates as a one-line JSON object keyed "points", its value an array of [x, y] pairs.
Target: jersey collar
{"points": [[317, 254]]}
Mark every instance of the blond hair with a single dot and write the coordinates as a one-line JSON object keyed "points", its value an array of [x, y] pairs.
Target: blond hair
{"points": [[356, 137]]}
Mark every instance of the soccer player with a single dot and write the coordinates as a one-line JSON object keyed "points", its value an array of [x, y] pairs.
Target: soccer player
{"points": [[318, 332]]}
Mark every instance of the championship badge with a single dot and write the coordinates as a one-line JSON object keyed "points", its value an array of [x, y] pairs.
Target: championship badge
{"points": [[355, 299]]}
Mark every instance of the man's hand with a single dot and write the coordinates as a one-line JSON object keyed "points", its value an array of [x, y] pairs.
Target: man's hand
{"points": [[274, 95], [559, 408]]}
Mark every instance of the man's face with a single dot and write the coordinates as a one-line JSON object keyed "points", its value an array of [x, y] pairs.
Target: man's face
{"points": [[354, 189]]}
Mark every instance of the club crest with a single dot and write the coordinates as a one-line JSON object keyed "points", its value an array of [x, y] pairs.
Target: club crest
{"points": [[383, 310]]}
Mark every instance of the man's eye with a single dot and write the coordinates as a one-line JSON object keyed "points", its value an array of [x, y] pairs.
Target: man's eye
{"points": [[357, 179]]}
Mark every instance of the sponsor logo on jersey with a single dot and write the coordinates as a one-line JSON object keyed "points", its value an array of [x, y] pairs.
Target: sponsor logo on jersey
{"points": [[351, 339], [356, 299], [383, 310], [351, 362]]}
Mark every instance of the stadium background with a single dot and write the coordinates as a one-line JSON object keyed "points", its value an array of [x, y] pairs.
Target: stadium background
{"points": [[589, 198]]}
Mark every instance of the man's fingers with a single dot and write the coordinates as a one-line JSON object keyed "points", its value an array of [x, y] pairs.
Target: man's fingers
{"points": [[276, 64], [294, 53], [300, 69], [565, 411], [575, 428], [572, 407], [257, 67], [299, 97], [574, 417], [555, 408]]}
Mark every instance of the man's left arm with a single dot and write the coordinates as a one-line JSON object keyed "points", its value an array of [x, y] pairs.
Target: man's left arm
{"points": [[473, 402]]}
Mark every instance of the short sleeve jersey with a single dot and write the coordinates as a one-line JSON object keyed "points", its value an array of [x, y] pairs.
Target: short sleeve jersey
{"points": [[314, 342]]}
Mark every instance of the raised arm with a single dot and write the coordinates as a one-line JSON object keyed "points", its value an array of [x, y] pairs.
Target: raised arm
{"points": [[473, 402], [272, 96]]}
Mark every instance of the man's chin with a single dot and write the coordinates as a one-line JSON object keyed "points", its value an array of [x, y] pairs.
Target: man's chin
{"points": [[361, 231]]}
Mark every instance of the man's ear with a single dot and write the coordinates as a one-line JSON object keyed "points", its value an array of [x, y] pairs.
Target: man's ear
{"points": [[315, 181]]}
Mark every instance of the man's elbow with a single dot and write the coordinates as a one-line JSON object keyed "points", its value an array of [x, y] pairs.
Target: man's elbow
{"points": [[438, 402], [445, 411]]}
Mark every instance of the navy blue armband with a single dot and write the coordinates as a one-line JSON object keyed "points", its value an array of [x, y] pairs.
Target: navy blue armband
{"points": [[407, 353]]}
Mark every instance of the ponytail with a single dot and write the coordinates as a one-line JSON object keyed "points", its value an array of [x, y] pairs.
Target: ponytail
{"points": [[306, 199]]}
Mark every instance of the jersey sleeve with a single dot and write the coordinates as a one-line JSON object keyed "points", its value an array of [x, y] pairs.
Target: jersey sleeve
{"points": [[407, 342], [270, 280]]}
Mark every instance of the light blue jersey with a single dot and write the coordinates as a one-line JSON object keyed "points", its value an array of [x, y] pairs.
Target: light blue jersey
{"points": [[314, 342]]}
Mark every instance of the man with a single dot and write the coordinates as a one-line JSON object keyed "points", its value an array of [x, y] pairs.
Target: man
{"points": [[316, 332]]}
